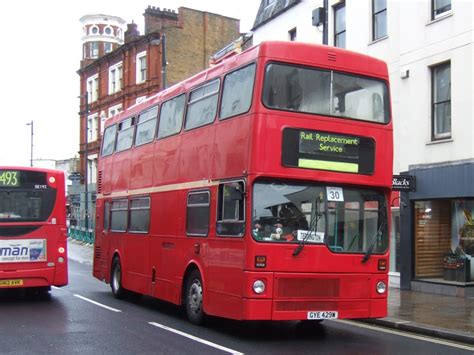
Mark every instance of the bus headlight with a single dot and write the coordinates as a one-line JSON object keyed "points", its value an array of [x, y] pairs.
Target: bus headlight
{"points": [[259, 287], [381, 287], [61, 259]]}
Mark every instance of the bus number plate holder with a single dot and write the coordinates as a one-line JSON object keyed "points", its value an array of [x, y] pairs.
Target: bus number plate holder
{"points": [[322, 315], [7, 283]]}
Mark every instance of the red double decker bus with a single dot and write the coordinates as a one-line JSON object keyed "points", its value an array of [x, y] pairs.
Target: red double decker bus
{"points": [[33, 233], [255, 190]]}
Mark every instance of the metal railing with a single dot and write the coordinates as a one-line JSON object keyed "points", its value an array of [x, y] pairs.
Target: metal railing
{"points": [[81, 234]]}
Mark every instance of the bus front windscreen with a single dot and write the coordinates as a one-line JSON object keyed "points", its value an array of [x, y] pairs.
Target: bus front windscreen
{"points": [[25, 196], [325, 92], [346, 220]]}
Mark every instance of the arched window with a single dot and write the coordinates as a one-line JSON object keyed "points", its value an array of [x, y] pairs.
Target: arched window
{"points": [[93, 30]]}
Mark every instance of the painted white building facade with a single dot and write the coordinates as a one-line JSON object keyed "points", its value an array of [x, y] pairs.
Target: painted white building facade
{"points": [[429, 47]]}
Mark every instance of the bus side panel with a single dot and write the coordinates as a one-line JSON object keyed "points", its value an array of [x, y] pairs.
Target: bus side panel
{"points": [[135, 262], [196, 154], [231, 147], [121, 171], [101, 262], [141, 170], [166, 240], [106, 168], [166, 160], [223, 261], [225, 277]]}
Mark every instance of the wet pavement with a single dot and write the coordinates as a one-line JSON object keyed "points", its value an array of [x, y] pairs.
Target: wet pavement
{"points": [[446, 317]]}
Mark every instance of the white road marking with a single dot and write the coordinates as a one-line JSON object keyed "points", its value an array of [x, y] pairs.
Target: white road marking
{"points": [[55, 288], [192, 337], [97, 303], [406, 334]]}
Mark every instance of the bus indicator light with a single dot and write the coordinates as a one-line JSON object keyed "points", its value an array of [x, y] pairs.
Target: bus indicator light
{"points": [[382, 264], [260, 261]]}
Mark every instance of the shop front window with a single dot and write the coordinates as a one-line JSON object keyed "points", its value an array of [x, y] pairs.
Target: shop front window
{"points": [[462, 241], [395, 242], [444, 240]]}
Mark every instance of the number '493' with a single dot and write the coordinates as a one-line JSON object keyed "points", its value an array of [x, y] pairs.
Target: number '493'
{"points": [[9, 178]]}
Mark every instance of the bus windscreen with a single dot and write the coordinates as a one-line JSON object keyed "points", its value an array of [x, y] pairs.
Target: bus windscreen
{"points": [[326, 93], [25, 196]]}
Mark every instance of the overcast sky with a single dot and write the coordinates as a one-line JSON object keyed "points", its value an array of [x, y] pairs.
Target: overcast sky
{"points": [[40, 54]]}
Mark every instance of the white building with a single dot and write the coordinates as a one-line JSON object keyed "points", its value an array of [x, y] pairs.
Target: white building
{"points": [[428, 45]]}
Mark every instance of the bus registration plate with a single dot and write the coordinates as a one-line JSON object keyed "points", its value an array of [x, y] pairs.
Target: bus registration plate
{"points": [[323, 315], [7, 283]]}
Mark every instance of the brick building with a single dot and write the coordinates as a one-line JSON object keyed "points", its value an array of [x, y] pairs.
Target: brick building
{"points": [[140, 65]]}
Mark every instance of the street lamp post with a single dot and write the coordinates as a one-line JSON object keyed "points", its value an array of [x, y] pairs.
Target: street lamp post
{"points": [[31, 150], [86, 153]]}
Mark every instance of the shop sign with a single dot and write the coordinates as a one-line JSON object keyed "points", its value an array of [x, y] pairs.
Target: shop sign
{"points": [[75, 176], [404, 183]]}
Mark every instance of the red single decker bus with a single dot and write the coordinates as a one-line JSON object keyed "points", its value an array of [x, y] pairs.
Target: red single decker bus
{"points": [[255, 190], [33, 233]]}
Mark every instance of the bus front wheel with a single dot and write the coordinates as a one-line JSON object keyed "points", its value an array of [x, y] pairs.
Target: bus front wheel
{"points": [[194, 298], [116, 279]]}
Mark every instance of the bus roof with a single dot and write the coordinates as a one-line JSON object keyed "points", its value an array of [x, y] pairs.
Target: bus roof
{"points": [[292, 52], [29, 168]]}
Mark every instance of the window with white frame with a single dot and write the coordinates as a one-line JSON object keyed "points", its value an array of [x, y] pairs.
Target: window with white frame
{"points": [[440, 8], [94, 30], [93, 88], [441, 101], [114, 110], [340, 25], [92, 169], [379, 19], [141, 67], [93, 127], [94, 49], [108, 31], [115, 78], [108, 47]]}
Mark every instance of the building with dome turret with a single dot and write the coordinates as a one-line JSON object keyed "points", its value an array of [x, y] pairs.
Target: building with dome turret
{"points": [[102, 34]]}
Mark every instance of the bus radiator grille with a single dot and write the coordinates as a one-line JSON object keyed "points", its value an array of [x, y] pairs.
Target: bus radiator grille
{"points": [[307, 287]]}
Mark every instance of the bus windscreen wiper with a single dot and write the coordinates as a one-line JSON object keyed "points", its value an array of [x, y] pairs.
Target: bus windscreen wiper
{"points": [[372, 243], [312, 226]]}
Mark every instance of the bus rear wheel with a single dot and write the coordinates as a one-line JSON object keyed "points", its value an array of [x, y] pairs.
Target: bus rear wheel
{"points": [[193, 298], [116, 279]]}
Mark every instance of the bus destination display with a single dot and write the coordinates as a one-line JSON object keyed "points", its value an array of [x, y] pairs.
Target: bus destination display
{"points": [[9, 178], [328, 151]]}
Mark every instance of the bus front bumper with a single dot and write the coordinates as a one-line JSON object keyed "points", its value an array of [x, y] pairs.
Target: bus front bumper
{"points": [[309, 296]]}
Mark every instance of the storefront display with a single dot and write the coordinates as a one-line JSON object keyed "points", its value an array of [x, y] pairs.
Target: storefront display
{"points": [[444, 240]]}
